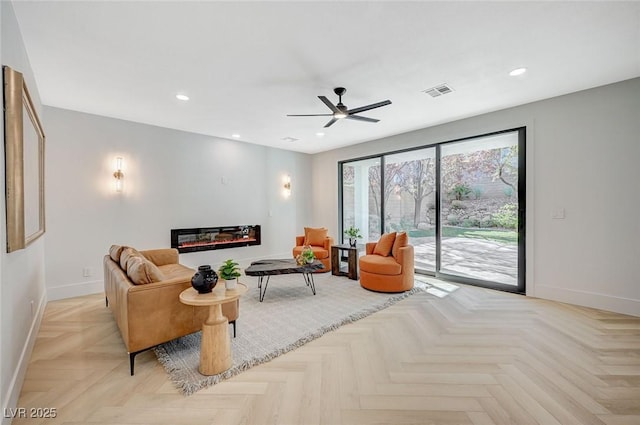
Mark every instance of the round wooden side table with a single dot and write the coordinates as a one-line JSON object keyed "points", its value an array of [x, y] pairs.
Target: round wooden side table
{"points": [[215, 346]]}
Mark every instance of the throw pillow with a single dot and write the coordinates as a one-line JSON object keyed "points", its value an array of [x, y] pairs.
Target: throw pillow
{"points": [[402, 240], [115, 251], [142, 271], [385, 244], [126, 253], [315, 236]]}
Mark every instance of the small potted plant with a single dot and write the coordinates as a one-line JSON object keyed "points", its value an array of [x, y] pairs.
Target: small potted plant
{"points": [[230, 272], [308, 255], [354, 234]]}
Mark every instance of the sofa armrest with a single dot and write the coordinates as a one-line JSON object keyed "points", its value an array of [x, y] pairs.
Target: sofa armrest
{"points": [[161, 257], [299, 240]]}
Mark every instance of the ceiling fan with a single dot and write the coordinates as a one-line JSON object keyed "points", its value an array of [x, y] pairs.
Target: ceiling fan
{"points": [[341, 111]]}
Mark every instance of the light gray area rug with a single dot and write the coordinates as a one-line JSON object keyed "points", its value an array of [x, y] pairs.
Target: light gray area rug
{"points": [[289, 317]]}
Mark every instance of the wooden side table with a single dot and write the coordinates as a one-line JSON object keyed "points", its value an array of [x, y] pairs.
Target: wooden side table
{"points": [[352, 260], [215, 346]]}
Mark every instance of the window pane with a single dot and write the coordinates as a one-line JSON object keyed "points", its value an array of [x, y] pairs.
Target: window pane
{"points": [[361, 198], [409, 195]]}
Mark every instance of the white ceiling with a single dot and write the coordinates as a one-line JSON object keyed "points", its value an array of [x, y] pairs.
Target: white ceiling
{"points": [[246, 65]]}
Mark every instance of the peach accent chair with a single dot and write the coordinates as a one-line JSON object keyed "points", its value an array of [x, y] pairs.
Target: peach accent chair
{"points": [[320, 243], [388, 264]]}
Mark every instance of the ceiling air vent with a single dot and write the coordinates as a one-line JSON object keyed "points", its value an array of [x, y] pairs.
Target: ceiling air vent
{"points": [[438, 90]]}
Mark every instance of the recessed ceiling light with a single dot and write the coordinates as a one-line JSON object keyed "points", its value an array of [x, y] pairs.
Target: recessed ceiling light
{"points": [[235, 136], [518, 71], [320, 134], [182, 97]]}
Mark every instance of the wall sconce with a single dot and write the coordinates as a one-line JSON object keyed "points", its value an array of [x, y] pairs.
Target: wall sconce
{"points": [[118, 174], [287, 186]]}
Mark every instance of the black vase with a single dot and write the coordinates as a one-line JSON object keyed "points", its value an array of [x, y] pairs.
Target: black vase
{"points": [[204, 280]]}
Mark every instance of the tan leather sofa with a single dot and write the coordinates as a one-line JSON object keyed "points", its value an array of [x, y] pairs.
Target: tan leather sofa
{"points": [[149, 312]]}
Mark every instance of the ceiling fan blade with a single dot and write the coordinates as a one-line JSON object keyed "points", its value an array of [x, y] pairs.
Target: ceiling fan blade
{"points": [[368, 107], [329, 104], [359, 118], [309, 115], [330, 123]]}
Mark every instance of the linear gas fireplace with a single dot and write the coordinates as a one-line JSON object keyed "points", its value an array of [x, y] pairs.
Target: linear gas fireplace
{"points": [[206, 238]]}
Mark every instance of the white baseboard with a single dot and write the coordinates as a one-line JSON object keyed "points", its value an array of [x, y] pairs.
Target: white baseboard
{"points": [[15, 386], [75, 290], [589, 299]]}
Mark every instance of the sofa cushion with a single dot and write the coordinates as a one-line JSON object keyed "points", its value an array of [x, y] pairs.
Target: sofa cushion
{"points": [[126, 253], [142, 271], [380, 265], [402, 240], [385, 244], [115, 251], [315, 236], [173, 271]]}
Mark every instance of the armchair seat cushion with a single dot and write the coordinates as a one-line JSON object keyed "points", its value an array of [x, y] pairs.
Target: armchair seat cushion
{"points": [[380, 265], [318, 251]]}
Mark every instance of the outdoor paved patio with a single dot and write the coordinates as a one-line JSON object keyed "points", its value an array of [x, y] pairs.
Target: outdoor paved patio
{"points": [[475, 258]]}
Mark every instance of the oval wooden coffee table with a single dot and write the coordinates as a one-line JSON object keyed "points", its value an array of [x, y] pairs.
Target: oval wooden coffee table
{"points": [[215, 346]]}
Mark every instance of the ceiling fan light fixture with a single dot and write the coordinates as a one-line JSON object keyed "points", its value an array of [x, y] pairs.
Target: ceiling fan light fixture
{"points": [[340, 110]]}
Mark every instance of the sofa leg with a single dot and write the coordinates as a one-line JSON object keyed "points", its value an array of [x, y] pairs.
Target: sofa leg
{"points": [[132, 357], [234, 328], [106, 302]]}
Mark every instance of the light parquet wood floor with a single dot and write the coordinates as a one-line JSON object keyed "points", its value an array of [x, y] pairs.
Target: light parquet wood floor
{"points": [[477, 357]]}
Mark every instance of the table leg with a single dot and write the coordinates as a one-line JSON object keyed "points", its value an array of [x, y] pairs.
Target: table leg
{"points": [[335, 261], [260, 289], [353, 264], [308, 279], [215, 348]]}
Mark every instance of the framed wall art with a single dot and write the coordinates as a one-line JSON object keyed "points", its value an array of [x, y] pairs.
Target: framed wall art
{"points": [[24, 163]]}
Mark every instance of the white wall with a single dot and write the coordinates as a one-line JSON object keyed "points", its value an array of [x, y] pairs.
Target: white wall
{"points": [[21, 272], [582, 155], [173, 179]]}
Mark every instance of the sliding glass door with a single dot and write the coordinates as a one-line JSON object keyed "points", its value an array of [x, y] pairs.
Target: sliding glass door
{"points": [[479, 209], [461, 203]]}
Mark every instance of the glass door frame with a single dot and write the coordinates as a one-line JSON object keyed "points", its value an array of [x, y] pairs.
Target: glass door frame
{"points": [[520, 287]]}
